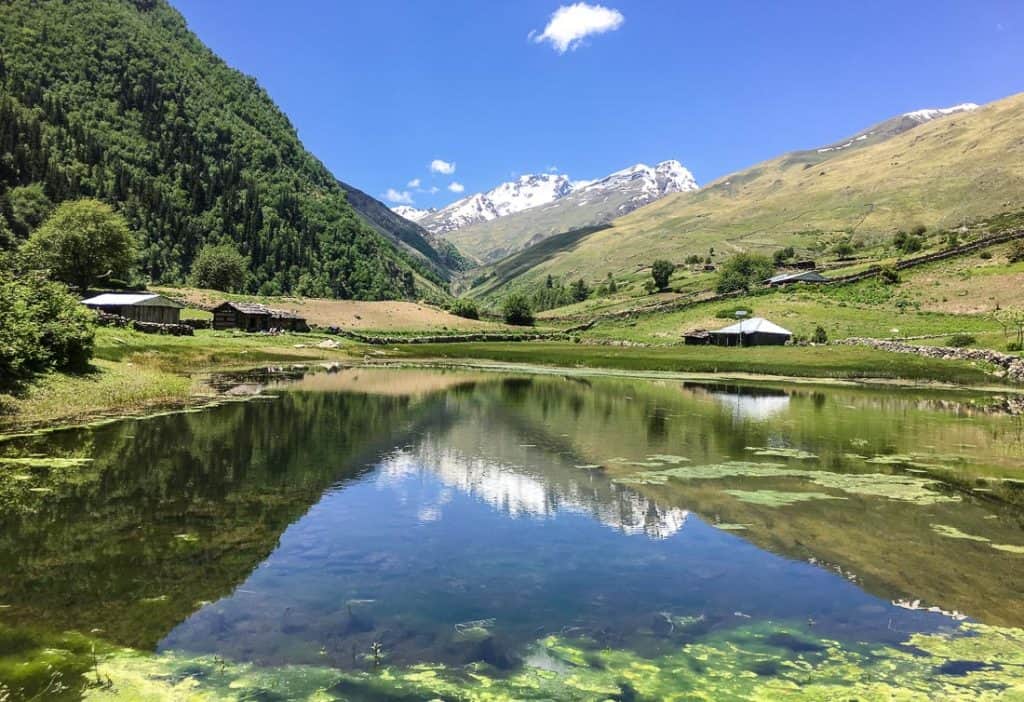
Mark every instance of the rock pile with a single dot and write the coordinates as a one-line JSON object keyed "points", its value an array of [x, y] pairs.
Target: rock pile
{"points": [[1011, 367]]}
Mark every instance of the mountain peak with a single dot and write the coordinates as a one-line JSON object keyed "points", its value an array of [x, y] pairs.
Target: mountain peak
{"points": [[930, 114]]}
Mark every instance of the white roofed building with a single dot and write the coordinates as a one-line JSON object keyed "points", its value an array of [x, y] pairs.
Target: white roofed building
{"points": [[138, 306], [756, 331]]}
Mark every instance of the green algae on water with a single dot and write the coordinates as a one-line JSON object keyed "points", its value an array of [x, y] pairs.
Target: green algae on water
{"points": [[1009, 547], [904, 488], [953, 533], [778, 498]]}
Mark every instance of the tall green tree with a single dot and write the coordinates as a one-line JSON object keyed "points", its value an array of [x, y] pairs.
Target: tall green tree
{"points": [[83, 243], [661, 271], [220, 267]]}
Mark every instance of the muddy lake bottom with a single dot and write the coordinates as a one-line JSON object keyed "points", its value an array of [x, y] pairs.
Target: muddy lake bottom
{"points": [[376, 534]]}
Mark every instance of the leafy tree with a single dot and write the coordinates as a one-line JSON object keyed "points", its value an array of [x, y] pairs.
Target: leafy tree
{"points": [[612, 286], [783, 255], [743, 271], [693, 260], [29, 208], [41, 325], [579, 290], [221, 267], [82, 243], [465, 308], [820, 336], [516, 310], [843, 249], [661, 271]]}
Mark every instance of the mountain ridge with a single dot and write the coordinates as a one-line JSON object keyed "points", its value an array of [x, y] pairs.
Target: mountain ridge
{"points": [[118, 100], [934, 168], [517, 213]]}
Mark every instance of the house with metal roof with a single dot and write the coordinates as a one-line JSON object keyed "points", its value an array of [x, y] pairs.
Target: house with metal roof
{"points": [[138, 306], [796, 277], [756, 331], [254, 317]]}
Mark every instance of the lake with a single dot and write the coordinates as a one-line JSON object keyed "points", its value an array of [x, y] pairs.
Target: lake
{"points": [[416, 534]]}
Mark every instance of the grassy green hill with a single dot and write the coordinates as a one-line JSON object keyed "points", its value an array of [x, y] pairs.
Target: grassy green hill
{"points": [[118, 100], [941, 174]]}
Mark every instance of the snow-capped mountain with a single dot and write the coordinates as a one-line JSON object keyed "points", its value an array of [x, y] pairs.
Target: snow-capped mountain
{"points": [[930, 114], [895, 125], [413, 214], [640, 184], [646, 184], [508, 198]]}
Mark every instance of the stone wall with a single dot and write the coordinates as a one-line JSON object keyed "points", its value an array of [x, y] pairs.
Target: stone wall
{"points": [[1011, 367]]}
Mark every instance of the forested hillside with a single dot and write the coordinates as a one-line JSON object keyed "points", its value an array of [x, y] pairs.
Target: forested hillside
{"points": [[118, 100]]}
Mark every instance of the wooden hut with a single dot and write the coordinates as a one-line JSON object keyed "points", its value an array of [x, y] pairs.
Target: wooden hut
{"points": [[254, 317], [755, 331], [137, 306]]}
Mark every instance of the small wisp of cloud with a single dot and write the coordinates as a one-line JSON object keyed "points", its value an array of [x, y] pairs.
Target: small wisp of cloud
{"points": [[399, 197], [571, 24], [456, 187], [442, 167], [414, 183]]}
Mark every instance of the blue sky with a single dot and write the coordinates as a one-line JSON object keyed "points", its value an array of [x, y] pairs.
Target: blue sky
{"points": [[378, 90]]}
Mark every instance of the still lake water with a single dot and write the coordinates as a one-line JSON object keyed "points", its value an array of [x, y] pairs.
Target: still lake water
{"points": [[370, 534]]}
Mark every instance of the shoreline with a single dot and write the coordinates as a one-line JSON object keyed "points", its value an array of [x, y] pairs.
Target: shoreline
{"points": [[192, 392]]}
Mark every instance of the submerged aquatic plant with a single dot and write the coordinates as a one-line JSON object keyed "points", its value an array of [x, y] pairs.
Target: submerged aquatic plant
{"points": [[759, 660]]}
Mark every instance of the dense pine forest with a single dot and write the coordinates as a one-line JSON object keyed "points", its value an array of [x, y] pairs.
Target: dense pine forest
{"points": [[117, 100]]}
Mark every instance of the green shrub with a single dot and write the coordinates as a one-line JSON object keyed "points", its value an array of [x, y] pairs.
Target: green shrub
{"points": [[1014, 347], [516, 310], [743, 271], [42, 326], [465, 308], [843, 249], [985, 255], [960, 340], [819, 336], [783, 255], [1016, 252], [889, 275]]}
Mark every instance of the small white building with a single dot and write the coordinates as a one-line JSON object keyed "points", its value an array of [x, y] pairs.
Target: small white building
{"points": [[756, 331], [138, 306]]}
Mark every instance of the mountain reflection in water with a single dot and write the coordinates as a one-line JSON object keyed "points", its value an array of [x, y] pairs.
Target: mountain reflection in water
{"points": [[404, 507]]}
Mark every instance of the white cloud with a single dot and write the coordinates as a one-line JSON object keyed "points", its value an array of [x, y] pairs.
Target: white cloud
{"points": [[414, 183], [456, 187], [434, 190], [442, 167], [399, 197], [571, 24]]}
